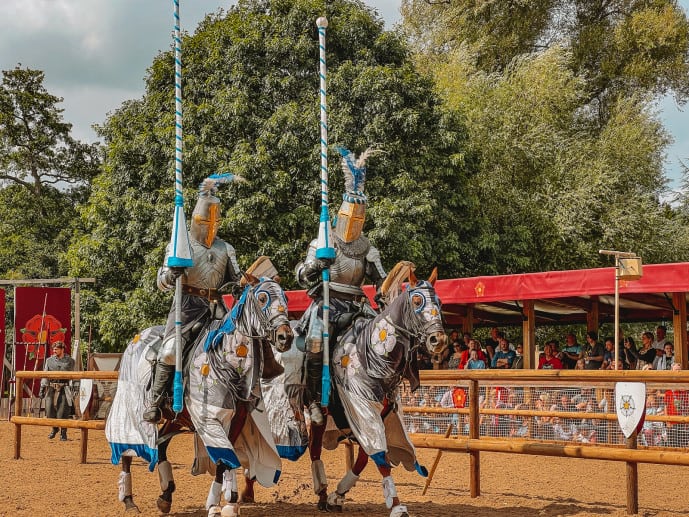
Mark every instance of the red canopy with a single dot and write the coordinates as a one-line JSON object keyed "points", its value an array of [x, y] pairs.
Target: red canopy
{"points": [[559, 296]]}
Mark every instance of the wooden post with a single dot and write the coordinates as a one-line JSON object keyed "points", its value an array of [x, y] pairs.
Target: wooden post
{"points": [[84, 444], [592, 315], [468, 320], [632, 480], [435, 462], [18, 393], [474, 455], [679, 324], [529, 333]]}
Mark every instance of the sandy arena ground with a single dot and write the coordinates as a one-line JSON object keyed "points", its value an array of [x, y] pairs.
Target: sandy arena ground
{"points": [[49, 480]]}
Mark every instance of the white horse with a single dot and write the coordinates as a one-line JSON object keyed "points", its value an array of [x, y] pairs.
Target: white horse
{"points": [[223, 404]]}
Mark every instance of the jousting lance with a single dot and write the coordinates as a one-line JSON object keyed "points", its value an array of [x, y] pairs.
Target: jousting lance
{"points": [[180, 255], [324, 250]]}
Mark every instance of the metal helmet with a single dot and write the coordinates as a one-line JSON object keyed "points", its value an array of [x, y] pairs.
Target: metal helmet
{"points": [[205, 219], [351, 216]]}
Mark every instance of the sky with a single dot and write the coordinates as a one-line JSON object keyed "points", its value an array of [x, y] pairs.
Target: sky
{"points": [[95, 54]]}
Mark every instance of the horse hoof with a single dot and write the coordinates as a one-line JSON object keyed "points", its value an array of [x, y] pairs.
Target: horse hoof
{"points": [[334, 508], [163, 505], [323, 506], [214, 511], [399, 511], [131, 508], [230, 510]]}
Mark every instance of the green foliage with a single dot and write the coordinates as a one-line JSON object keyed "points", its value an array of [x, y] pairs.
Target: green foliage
{"points": [[251, 107], [37, 155], [36, 148]]}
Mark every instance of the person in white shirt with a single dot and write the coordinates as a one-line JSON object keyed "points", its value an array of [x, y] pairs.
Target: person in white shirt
{"points": [[659, 343]]}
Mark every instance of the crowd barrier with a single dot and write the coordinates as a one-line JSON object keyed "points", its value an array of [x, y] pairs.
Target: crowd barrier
{"points": [[561, 413]]}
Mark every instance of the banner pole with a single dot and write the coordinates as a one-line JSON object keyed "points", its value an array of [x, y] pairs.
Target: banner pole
{"points": [[324, 249]]}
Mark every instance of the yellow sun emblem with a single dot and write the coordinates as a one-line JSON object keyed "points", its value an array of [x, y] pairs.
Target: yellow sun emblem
{"points": [[242, 350], [205, 369], [345, 361], [383, 334]]}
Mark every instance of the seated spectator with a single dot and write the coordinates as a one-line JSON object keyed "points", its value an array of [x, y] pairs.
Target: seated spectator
{"points": [[456, 357], [653, 433], [647, 353], [570, 352], [665, 361], [608, 354], [518, 363], [543, 424], [579, 365], [474, 344], [504, 357], [474, 363], [492, 343], [548, 360], [452, 338], [592, 351], [629, 353]]}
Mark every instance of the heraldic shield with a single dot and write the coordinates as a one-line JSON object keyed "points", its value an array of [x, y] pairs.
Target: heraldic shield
{"points": [[630, 401], [85, 392]]}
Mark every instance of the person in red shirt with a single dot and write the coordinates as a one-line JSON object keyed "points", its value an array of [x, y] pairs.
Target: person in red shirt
{"points": [[473, 345], [548, 360]]}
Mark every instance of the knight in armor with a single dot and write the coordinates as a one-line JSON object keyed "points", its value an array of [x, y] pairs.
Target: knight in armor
{"points": [[355, 261], [214, 265]]}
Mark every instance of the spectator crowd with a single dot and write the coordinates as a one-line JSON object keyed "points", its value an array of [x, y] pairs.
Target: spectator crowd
{"points": [[497, 352]]}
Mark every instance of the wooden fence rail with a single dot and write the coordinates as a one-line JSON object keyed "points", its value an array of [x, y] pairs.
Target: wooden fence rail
{"points": [[84, 425], [473, 444]]}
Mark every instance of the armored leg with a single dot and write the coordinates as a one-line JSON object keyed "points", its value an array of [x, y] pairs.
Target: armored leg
{"points": [[161, 386], [314, 371]]}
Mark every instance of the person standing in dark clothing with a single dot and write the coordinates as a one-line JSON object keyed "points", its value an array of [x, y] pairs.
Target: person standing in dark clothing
{"points": [[57, 392]]}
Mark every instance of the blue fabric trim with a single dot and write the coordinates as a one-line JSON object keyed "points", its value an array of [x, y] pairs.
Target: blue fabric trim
{"points": [[291, 452], [277, 476], [379, 459], [423, 471], [142, 451], [230, 323], [227, 456]]}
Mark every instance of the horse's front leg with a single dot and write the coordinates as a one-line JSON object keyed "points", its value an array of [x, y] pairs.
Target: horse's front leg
{"points": [[167, 481], [392, 501], [320, 480], [337, 498], [225, 481], [248, 492], [124, 486]]}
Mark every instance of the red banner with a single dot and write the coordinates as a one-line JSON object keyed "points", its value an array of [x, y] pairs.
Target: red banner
{"points": [[42, 316], [4, 374]]}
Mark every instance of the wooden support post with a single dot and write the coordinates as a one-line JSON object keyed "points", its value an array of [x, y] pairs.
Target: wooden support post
{"points": [[592, 315], [468, 320], [632, 480], [84, 444], [474, 455], [435, 462], [679, 324], [529, 334], [18, 411]]}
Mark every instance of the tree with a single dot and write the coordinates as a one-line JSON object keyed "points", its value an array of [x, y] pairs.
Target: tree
{"points": [[621, 47], [44, 173], [251, 107], [560, 123], [36, 148]]}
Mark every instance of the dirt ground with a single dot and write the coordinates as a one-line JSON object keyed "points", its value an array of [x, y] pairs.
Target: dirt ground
{"points": [[49, 480]]}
